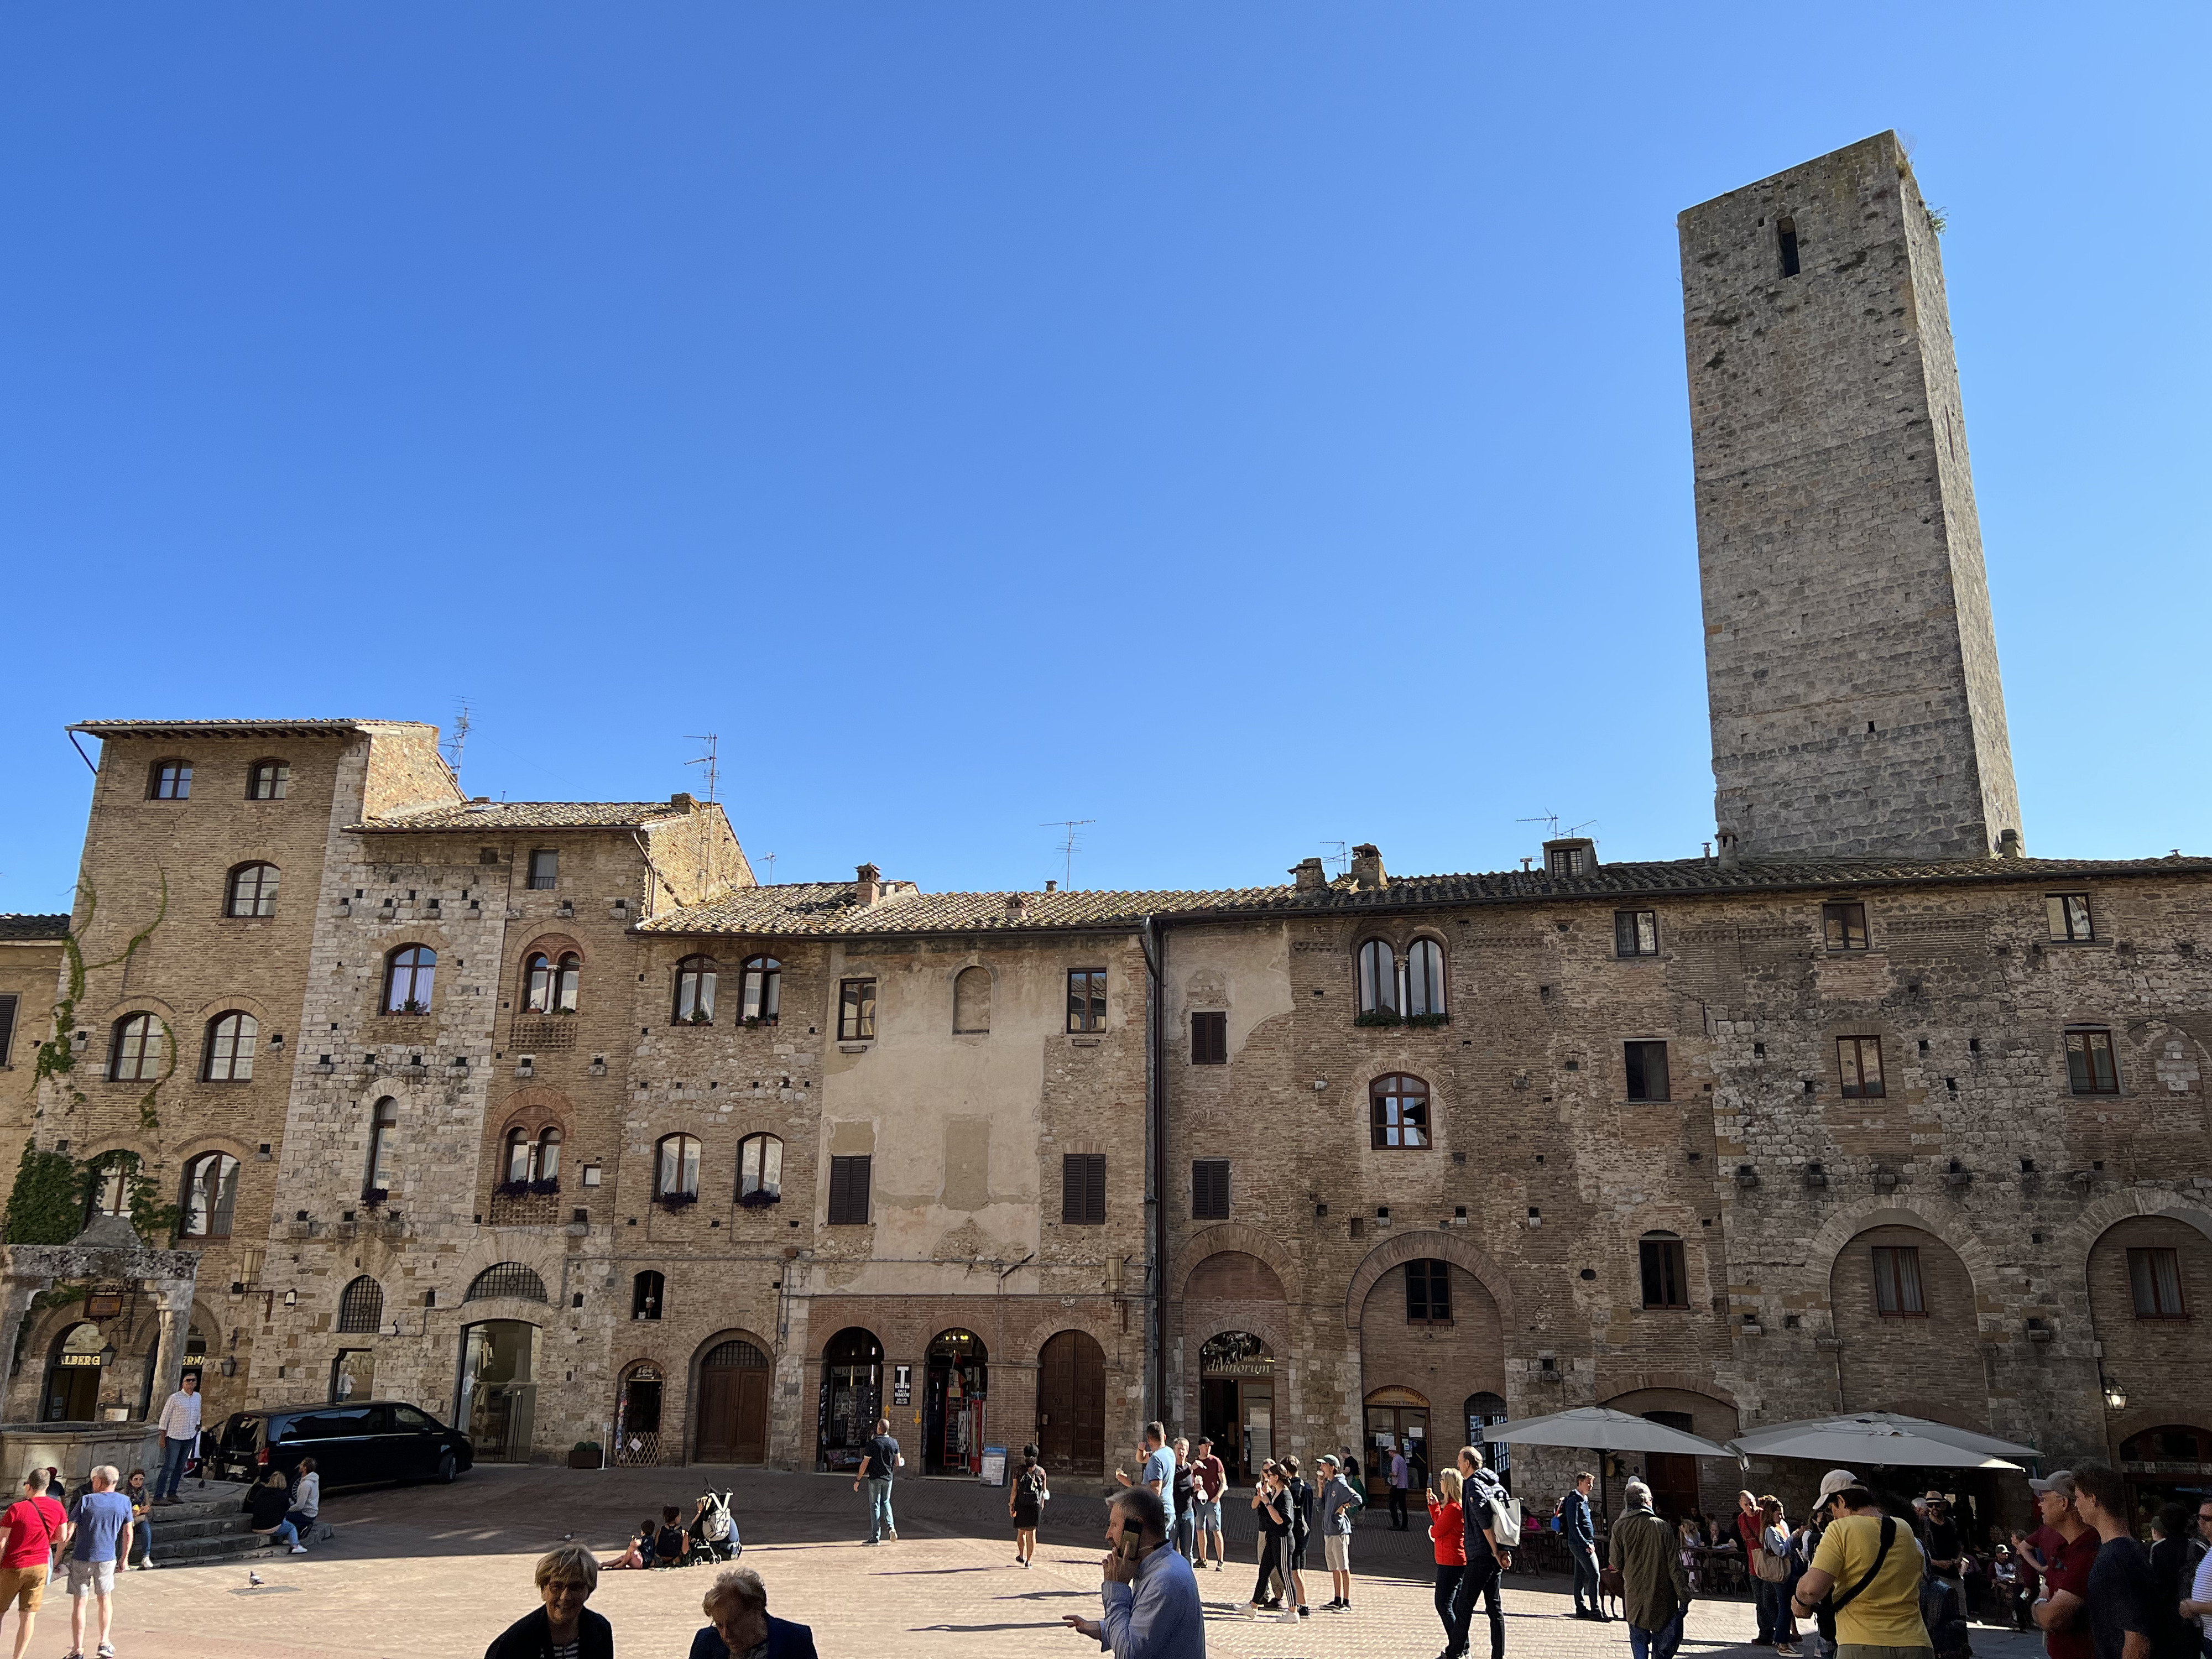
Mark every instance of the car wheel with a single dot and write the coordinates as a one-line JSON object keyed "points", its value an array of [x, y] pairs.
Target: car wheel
{"points": [[448, 1467]]}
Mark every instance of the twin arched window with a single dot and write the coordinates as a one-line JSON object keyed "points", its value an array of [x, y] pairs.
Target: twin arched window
{"points": [[533, 1160], [1398, 1112], [551, 986], [1411, 987], [211, 1194], [407, 977], [694, 991], [137, 1055], [676, 1168], [230, 1043], [760, 1169], [252, 891]]}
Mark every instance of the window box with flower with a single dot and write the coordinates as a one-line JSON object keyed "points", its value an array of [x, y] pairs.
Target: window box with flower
{"points": [[676, 1203], [760, 1199]]}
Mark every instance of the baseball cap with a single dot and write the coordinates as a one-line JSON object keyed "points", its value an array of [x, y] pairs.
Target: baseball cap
{"points": [[2059, 1481], [1836, 1480]]}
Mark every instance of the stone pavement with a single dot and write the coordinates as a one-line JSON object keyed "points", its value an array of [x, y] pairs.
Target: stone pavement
{"points": [[438, 1571]]}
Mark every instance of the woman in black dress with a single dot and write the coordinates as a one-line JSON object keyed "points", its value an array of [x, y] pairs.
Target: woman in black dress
{"points": [[1026, 1504]]}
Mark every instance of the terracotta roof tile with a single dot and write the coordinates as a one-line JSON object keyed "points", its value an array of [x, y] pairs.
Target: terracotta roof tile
{"points": [[238, 728], [522, 815], [17, 927], [831, 907]]}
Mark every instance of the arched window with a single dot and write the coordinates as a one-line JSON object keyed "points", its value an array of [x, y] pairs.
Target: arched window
{"points": [[762, 988], [760, 1169], [566, 973], [169, 779], [505, 1279], [518, 1156], [1378, 979], [1424, 978], [1399, 1111], [383, 1148], [407, 979], [210, 1193], [534, 1163], [971, 999], [137, 1054], [267, 780], [538, 983], [694, 991], [549, 1156], [646, 1292], [230, 1040], [551, 986], [676, 1170], [360, 1306], [252, 891], [108, 1192]]}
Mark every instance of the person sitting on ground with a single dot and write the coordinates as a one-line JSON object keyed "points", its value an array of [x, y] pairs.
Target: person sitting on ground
{"points": [[671, 1545], [268, 1503], [306, 1498], [736, 1605], [564, 1627], [639, 1551]]}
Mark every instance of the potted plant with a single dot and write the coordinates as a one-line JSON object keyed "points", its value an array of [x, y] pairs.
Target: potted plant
{"points": [[675, 1203], [760, 1197], [511, 1189], [586, 1454], [544, 1186]]}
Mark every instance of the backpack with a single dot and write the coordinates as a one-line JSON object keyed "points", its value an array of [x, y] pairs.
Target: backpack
{"points": [[718, 1526]]}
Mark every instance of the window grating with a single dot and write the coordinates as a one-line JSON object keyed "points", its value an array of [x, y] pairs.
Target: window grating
{"points": [[360, 1306], [506, 1279]]}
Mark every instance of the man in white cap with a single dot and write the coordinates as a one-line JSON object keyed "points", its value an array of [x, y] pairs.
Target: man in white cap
{"points": [[1873, 1566]]}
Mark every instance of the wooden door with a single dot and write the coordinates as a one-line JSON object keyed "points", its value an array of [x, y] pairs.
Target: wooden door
{"points": [[733, 1389], [750, 1444], [1071, 1404], [1673, 1480], [718, 1415]]}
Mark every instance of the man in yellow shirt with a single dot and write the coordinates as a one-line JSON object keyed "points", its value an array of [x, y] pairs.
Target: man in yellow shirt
{"points": [[1870, 1561]]}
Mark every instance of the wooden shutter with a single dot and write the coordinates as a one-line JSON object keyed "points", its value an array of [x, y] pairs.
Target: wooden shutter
{"points": [[1094, 1189], [1209, 1189], [1209, 1039], [849, 1191], [1083, 1188]]}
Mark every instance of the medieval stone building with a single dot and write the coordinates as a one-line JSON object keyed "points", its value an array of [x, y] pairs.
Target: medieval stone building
{"points": [[1867, 1109]]}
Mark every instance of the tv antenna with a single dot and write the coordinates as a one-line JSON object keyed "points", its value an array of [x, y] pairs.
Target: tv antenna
{"points": [[707, 760], [1341, 858], [1067, 827], [1548, 818], [459, 741], [768, 859]]}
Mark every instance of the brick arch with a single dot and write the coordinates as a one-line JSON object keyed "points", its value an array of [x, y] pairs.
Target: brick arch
{"points": [[232, 1004], [1617, 1384], [490, 1253], [1248, 1241], [1437, 1246], [2100, 1217], [534, 1108], [2126, 1425], [552, 943], [1941, 1219]]}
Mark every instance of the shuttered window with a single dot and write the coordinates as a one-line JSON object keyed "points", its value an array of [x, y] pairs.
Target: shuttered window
{"points": [[1209, 1039], [7, 1027], [849, 1192], [1083, 1189], [1209, 1189]]}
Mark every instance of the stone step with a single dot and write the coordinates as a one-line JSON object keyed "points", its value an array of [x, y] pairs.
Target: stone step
{"points": [[166, 1530], [202, 1552]]}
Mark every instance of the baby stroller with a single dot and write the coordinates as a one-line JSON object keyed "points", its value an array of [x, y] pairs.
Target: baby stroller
{"points": [[718, 1530]]}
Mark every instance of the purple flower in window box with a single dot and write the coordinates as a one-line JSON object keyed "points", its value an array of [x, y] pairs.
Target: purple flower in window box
{"points": [[759, 1199], [511, 1189]]}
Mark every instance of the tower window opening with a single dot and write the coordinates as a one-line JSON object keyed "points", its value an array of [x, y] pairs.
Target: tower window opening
{"points": [[1786, 231]]}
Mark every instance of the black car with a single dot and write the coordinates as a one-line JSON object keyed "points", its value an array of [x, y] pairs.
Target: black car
{"points": [[353, 1443]]}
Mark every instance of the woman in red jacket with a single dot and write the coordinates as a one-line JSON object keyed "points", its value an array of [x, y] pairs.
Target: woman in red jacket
{"points": [[1449, 1530]]}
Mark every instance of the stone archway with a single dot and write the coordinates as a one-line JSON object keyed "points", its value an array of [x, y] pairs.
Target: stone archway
{"points": [[1904, 1307]]}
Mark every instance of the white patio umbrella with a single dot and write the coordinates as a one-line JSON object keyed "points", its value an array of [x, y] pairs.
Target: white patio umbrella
{"points": [[1882, 1439], [1601, 1428]]}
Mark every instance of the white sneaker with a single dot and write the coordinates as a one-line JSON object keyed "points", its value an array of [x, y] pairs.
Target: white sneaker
{"points": [[1251, 1609], [298, 1549], [1288, 1616]]}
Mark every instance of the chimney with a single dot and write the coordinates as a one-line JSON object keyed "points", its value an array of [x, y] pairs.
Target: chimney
{"points": [[868, 885], [1016, 906], [2009, 845], [683, 801], [1308, 872], [1727, 859], [1367, 865], [1052, 887]]}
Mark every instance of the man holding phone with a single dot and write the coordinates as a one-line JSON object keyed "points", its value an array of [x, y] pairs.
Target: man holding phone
{"points": [[1148, 1595]]}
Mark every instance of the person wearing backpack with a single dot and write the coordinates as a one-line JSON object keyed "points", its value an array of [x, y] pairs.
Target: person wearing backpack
{"points": [[1871, 1564], [1491, 1533], [1302, 1503], [1025, 1506]]}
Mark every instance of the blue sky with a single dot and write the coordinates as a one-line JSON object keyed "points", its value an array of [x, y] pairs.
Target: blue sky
{"points": [[1249, 427]]}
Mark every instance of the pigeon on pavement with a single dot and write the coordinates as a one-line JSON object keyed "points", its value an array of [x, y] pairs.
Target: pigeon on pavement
{"points": [[251, 1576]]}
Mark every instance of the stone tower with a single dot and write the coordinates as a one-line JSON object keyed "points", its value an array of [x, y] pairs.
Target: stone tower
{"points": [[1849, 657]]}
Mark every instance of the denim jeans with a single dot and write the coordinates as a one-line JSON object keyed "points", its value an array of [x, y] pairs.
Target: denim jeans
{"points": [[1583, 1560], [1185, 1533], [286, 1533], [1448, 1577], [1479, 1583], [142, 1538], [174, 1455], [880, 1510], [1657, 1644]]}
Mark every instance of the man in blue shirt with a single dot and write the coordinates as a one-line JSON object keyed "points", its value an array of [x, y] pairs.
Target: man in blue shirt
{"points": [[1159, 1470], [100, 1527], [1581, 1534], [1149, 1605]]}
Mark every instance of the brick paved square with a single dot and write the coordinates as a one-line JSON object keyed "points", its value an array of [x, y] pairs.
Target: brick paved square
{"points": [[436, 1572]]}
